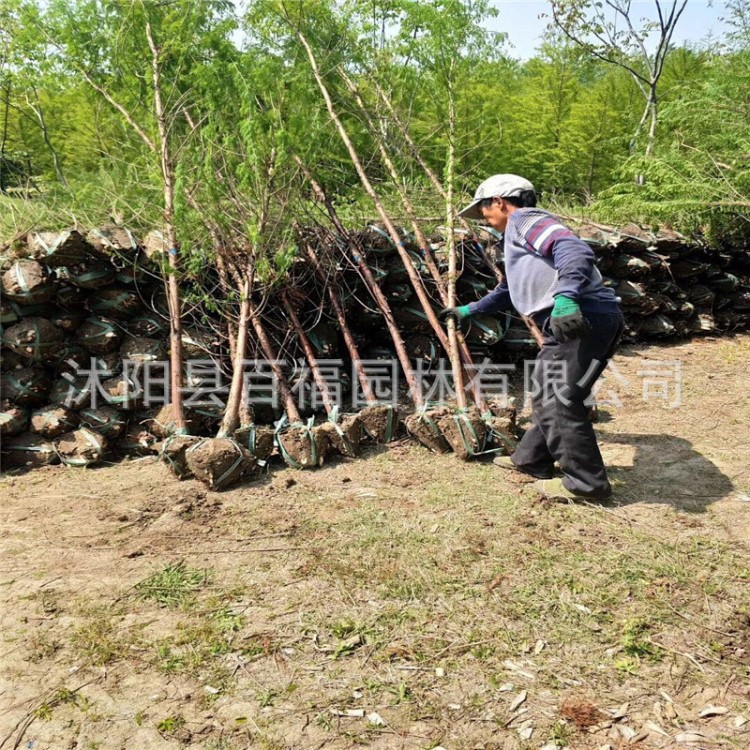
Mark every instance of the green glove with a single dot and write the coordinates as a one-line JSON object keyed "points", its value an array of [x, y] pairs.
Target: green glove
{"points": [[459, 312], [567, 321]]}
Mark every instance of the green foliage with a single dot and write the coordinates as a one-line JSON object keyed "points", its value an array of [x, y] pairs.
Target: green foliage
{"points": [[173, 586], [170, 724], [241, 104]]}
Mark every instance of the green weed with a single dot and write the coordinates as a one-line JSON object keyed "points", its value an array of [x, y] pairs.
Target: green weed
{"points": [[174, 586], [170, 724]]}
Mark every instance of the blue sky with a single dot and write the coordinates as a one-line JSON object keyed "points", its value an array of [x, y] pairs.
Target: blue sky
{"points": [[519, 19]]}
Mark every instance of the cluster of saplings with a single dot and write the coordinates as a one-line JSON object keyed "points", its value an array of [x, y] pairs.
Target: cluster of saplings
{"points": [[76, 298]]}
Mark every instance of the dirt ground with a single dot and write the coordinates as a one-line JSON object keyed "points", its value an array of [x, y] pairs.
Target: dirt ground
{"points": [[399, 600]]}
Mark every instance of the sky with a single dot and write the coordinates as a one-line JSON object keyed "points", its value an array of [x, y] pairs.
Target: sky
{"points": [[520, 20]]}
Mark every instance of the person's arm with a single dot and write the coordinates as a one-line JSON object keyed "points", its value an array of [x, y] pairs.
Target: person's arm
{"points": [[498, 300], [573, 260]]}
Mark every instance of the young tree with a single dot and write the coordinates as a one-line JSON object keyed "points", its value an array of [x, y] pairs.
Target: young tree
{"points": [[609, 30], [139, 57]]}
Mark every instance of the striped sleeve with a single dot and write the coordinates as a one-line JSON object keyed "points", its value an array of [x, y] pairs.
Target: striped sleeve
{"points": [[541, 232]]}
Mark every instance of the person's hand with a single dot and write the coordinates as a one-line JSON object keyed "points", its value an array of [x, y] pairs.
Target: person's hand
{"points": [[567, 321], [458, 312]]}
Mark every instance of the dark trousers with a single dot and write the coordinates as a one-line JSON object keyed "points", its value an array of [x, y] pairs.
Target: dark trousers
{"points": [[563, 377]]}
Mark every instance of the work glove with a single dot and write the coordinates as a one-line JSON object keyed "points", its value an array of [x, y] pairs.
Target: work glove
{"points": [[567, 321], [458, 312]]}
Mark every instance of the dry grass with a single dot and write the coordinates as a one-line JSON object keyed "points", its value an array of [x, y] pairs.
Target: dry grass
{"points": [[400, 601]]}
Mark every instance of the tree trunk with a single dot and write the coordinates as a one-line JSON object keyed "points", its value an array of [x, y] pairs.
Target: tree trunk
{"points": [[312, 360], [338, 309], [654, 120], [458, 380], [231, 418], [376, 293], [290, 407], [533, 328], [4, 141], [37, 110], [173, 292], [416, 282]]}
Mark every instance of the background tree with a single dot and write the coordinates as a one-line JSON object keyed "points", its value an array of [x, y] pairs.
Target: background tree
{"points": [[608, 30]]}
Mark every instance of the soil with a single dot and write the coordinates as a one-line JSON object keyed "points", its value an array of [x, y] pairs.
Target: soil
{"points": [[106, 420], [305, 448], [27, 386], [375, 420], [163, 424], [98, 335], [36, 339], [137, 441], [82, 447], [13, 419], [219, 462], [263, 441], [424, 427], [53, 421], [27, 281], [173, 451], [28, 449], [400, 600], [504, 434], [465, 433], [345, 436]]}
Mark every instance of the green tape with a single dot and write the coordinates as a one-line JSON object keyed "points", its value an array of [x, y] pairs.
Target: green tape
{"points": [[20, 278]]}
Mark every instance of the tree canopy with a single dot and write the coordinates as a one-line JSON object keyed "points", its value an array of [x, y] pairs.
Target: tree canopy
{"points": [[78, 130]]}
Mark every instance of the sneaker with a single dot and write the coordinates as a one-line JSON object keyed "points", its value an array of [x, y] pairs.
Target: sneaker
{"points": [[504, 462], [554, 489]]}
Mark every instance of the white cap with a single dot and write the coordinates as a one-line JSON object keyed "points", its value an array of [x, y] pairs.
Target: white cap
{"points": [[497, 186]]}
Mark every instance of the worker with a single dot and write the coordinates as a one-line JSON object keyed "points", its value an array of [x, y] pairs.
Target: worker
{"points": [[552, 278]]}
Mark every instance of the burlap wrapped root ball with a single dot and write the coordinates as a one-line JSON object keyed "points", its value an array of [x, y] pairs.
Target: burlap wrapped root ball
{"points": [[91, 274], [137, 440], [142, 349], [258, 439], [68, 320], [123, 392], [164, 425], [53, 420], [99, 335], [57, 248], [35, 339], [105, 420], [26, 386], [424, 426], [344, 435], [83, 447], [112, 242], [502, 435], [174, 454], [219, 462], [302, 447], [380, 422], [74, 392], [14, 419], [28, 283], [28, 450], [465, 432], [120, 304]]}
